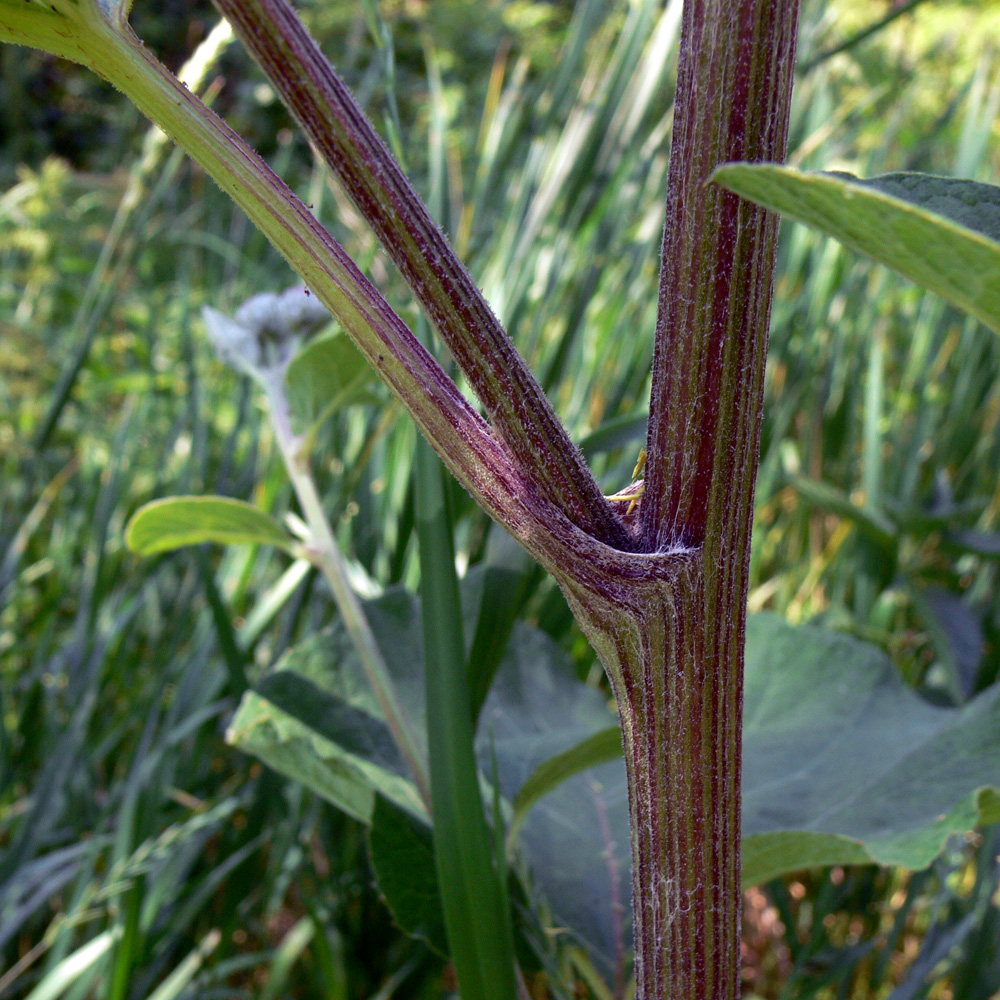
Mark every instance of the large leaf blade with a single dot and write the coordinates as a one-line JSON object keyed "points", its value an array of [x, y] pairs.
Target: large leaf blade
{"points": [[941, 232], [835, 743], [604, 746], [843, 763]]}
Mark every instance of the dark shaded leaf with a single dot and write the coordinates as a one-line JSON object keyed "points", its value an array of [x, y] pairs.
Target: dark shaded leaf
{"points": [[402, 854]]}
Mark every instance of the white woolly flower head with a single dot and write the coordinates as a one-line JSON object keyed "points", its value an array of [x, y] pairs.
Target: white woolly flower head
{"points": [[266, 332]]}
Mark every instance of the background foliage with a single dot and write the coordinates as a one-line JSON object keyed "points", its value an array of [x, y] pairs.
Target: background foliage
{"points": [[143, 856]]}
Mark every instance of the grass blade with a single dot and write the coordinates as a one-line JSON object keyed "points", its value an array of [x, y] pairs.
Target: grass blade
{"points": [[480, 939], [68, 971]]}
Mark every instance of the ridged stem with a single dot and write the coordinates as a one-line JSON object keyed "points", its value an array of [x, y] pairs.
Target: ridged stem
{"points": [[677, 677], [519, 411], [670, 629], [733, 99], [668, 622], [96, 34]]}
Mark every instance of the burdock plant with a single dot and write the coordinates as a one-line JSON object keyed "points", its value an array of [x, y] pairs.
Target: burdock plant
{"points": [[657, 576]]}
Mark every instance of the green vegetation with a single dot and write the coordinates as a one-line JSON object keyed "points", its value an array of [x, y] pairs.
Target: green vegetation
{"points": [[143, 854]]}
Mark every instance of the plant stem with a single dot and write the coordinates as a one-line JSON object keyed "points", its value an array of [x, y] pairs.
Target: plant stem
{"points": [[672, 639], [677, 679], [733, 98], [668, 620], [326, 554], [96, 35], [352, 148]]}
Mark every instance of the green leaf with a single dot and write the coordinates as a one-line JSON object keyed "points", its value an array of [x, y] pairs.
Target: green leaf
{"points": [[165, 525], [768, 855], [942, 232], [179, 981], [314, 718], [402, 854], [328, 373], [294, 750], [75, 967], [836, 744], [604, 746], [286, 955], [482, 951], [575, 840], [499, 601], [843, 763], [65, 28], [536, 709], [335, 720]]}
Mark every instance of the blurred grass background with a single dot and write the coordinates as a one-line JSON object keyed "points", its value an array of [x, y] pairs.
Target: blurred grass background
{"points": [[140, 856]]}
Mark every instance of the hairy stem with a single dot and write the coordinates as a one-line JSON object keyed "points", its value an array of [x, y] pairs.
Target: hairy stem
{"points": [[668, 621], [678, 684], [670, 625], [733, 98], [518, 409]]}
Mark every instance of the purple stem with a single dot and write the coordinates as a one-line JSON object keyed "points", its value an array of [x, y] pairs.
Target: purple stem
{"points": [[733, 97], [673, 644], [518, 408]]}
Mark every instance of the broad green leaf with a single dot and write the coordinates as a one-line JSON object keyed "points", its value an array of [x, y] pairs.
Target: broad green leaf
{"points": [[604, 746], [314, 719], [835, 743], [942, 232], [536, 709], [335, 720], [575, 840], [293, 749], [499, 601], [328, 373], [165, 525], [402, 855], [843, 763], [768, 855]]}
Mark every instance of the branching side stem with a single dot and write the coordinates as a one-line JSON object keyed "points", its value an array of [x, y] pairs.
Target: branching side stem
{"points": [[518, 408], [325, 553]]}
